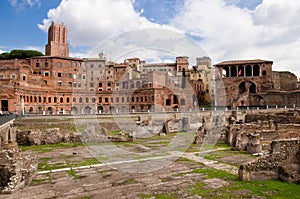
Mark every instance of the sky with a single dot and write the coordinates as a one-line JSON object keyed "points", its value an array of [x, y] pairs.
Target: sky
{"points": [[220, 29]]}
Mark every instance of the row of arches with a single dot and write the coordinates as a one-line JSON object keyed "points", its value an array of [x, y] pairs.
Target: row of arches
{"points": [[243, 71], [105, 100]]}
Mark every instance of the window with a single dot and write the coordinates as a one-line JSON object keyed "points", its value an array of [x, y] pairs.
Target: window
{"points": [[59, 83], [59, 74], [168, 102], [1, 76], [68, 100], [108, 84], [83, 77], [74, 99], [61, 100], [45, 82], [79, 76], [13, 76], [100, 84], [74, 84], [117, 99], [80, 100], [59, 64], [74, 64], [92, 65], [106, 100], [79, 85], [46, 74], [24, 78], [49, 99], [93, 100], [87, 100], [100, 99], [91, 84], [70, 75], [37, 64], [46, 64]]}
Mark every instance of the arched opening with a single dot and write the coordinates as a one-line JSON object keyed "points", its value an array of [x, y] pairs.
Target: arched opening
{"points": [[225, 71], [40, 109], [264, 73], [175, 108], [112, 109], [252, 88], [256, 70], [241, 71], [233, 71], [50, 110], [123, 109], [55, 99], [248, 71], [68, 100], [74, 110], [49, 99], [31, 100], [106, 100], [100, 109], [133, 108], [175, 99], [100, 99], [80, 100], [61, 100], [87, 110], [242, 88], [30, 109]]}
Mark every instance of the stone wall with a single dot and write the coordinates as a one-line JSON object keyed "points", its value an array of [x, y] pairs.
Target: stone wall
{"points": [[282, 163], [16, 169]]}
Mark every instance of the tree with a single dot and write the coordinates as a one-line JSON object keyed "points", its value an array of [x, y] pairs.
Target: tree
{"points": [[20, 54]]}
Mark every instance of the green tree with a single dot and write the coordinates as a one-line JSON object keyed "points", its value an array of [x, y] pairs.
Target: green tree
{"points": [[20, 54]]}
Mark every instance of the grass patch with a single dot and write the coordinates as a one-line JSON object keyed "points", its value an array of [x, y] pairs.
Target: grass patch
{"points": [[243, 189], [73, 173], [49, 147], [124, 182], [36, 182], [86, 161]]}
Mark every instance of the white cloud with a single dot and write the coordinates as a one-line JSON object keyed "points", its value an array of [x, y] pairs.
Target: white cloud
{"points": [[271, 31], [92, 21], [21, 4]]}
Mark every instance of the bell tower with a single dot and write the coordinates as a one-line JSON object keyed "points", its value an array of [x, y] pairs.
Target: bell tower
{"points": [[57, 41]]}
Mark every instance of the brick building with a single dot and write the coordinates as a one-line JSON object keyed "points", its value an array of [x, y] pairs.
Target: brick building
{"points": [[253, 83], [58, 84]]}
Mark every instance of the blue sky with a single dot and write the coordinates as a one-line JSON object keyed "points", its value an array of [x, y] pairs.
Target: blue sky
{"points": [[225, 29]]}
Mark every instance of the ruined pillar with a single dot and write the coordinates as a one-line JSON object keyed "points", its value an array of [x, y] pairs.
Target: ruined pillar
{"points": [[253, 145]]}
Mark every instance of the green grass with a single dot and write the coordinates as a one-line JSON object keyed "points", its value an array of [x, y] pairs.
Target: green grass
{"points": [[243, 189], [73, 173], [49, 147]]}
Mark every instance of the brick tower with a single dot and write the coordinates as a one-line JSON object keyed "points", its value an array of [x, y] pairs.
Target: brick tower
{"points": [[57, 41]]}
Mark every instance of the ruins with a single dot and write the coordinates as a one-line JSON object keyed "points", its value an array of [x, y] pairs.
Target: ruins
{"points": [[16, 169]]}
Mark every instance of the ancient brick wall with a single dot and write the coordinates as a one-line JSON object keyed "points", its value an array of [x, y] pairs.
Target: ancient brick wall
{"points": [[282, 163]]}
